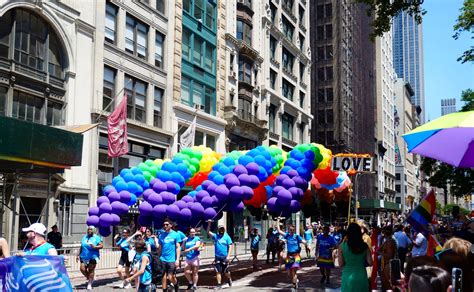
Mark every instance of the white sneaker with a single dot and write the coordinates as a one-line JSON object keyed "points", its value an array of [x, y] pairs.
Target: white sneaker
{"points": [[121, 285], [127, 286], [89, 286]]}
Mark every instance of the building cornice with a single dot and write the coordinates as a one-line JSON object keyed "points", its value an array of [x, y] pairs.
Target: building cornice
{"points": [[244, 48]]}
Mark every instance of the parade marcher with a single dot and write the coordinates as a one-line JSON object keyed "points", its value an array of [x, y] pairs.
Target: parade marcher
{"points": [[420, 245], [308, 236], [280, 247], [89, 254], [255, 239], [403, 242], [144, 272], [293, 258], [169, 250], [354, 255], [123, 267], [150, 240], [325, 243], [272, 239], [54, 237], [192, 243], [37, 244], [4, 249], [388, 251], [429, 279], [223, 251]]}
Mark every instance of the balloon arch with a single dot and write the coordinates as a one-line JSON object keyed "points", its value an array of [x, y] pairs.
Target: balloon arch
{"points": [[265, 175]]}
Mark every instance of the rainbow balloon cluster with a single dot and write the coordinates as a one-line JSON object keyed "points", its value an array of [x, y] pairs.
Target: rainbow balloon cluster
{"points": [[228, 183], [331, 185]]}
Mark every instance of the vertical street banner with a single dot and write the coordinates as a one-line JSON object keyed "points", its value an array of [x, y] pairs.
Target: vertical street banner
{"points": [[187, 138], [117, 130], [34, 273]]}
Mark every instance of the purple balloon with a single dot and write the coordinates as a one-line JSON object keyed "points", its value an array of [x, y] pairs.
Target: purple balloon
{"points": [[276, 189], [236, 193], [145, 220], [159, 186], [207, 202], [231, 180], [105, 220], [247, 192], [145, 209], [281, 178], [155, 199], [209, 213], [105, 208], [172, 211], [168, 198], [93, 221], [185, 215], [284, 197], [105, 231], [93, 211], [300, 183], [296, 193], [108, 189], [113, 197], [159, 211], [125, 197], [254, 181], [272, 205], [172, 187], [211, 189], [147, 193], [201, 195], [181, 204], [115, 219], [240, 169], [189, 205], [288, 183], [197, 210], [117, 207], [252, 168], [222, 193], [294, 206], [153, 181], [292, 173], [102, 199], [188, 199], [206, 184], [237, 207]]}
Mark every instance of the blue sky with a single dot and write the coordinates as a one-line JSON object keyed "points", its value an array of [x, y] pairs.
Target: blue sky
{"points": [[444, 76]]}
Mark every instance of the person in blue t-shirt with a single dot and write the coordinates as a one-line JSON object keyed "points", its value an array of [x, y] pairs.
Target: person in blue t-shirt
{"points": [[272, 240], [37, 244], [181, 236], [191, 245], [223, 251], [308, 236], [293, 258], [123, 267], [144, 272], [325, 243], [89, 255], [255, 239], [169, 251], [151, 241]]}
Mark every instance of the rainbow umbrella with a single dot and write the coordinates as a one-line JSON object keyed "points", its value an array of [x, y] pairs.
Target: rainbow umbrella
{"points": [[449, 138]]}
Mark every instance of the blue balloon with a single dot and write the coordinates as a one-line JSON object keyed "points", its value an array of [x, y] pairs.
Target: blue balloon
{"points": [[199, 187], [132, 187], [121, 186], [139, 179], [168, 166], [262, 173], [229, 161], [309, 154], [224, 170], [108, 189], [124, 171], [163, 175], [217, 166], [308, 164], [182, 169], [139, 191], [177, 178], [192, 194], [296, 154], [266, 154], [269, 192], [254, 152], [128, 177], [245, 159], [260, 159], [177, 160], [293, 163], [212, 174], [285, 169], [218, 179], [116, 179], [136, 170], [146, 185], [133, 200]]}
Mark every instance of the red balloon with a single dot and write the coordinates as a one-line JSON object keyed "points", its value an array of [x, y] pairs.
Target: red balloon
{"points": [[259, 197], [270, 180], [198, 179], [307, 198], [326, 176]]}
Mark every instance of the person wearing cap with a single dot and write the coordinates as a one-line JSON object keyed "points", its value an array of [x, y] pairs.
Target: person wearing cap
{"points": [[123, 267], [255, 239], [223, 250], [55, 238], [37, 244], [89, 255], [169, 250]]}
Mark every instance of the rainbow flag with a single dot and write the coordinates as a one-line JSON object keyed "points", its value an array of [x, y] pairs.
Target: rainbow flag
{"points": [[433, 246], [423, 214]]}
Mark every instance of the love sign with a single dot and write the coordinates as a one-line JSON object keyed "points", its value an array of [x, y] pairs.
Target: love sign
{"points": [[352, 163]]}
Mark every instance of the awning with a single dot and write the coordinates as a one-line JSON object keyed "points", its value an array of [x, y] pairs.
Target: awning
{"points": [[37, 148], [378, 204]]}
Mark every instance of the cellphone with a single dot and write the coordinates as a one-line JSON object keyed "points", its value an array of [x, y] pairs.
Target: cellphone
{"points": [[395, 271], [456, 279], [142, 229]]}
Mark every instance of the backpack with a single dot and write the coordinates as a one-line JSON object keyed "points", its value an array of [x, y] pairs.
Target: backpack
{"points": [[156, 273]]}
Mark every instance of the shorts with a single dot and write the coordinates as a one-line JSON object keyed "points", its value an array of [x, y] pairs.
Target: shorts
{"points": [[309, 243], [280, 246], [192, 262], [293, 261], [124, 261], [221, 265], [88, 262], [324, 262], [168, 267]]}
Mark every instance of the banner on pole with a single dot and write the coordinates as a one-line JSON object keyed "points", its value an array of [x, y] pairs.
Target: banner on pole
{"points": [[117, 130], [352, 163]]}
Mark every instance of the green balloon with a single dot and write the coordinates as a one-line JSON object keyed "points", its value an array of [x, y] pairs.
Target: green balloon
{"points": [[186, 162], [147, 176], [153, 170], [197, 155], [318, 158], [187, 151], [142, 166], [149, 162], [192, 169]]}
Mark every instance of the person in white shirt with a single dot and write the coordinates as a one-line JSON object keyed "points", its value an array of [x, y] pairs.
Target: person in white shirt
{"points": [[420, 245]]}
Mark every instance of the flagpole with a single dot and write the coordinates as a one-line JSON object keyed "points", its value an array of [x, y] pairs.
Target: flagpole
{"points": [[113, 100], [194, 115]]}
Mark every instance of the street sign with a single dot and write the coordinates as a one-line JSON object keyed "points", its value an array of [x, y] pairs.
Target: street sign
{"points": [[352, 163]]}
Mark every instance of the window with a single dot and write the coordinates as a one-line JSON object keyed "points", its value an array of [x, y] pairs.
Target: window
{"points": [[302, 96], [287, 126], [320, 74], [157, 108], [301, 42], [271, 118], [321, 95], [288, 60], [288, 29], [210, 14], [198, 9], [110, 22], [136, 95], [320, 11], [66, 202], [108, 89], [245, 70], [398, 188], [328, 12], [54, 113], [195, 93], [287, 4], [273, 76], [320, 32], [27, 107], [321, 117], [301, 15], [136, 35], [329, 54], [186, 91], [320, 52], [211, 141], [329, 73], [397, 176], [302, 71], [159, 42], [186, 44], [302, 125], [245, 109], [328, 31], [209, 59], [244, 32], [6, 24], [398, 200], [30, 41], [287, 89], [273, 11], [187, 6], [160, 5], [329, 94], [197, 52], [3, 101], [330, 137], [273, 45], [329, 116]]}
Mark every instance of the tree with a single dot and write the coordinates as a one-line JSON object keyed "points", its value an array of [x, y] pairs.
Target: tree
{"points": [[385, 10], [467, 96]]}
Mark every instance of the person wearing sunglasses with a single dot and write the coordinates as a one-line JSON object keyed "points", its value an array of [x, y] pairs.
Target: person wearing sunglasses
{"points": [[191, 244], [223, 251], [169, 250], [89, 255], [144, 272]]}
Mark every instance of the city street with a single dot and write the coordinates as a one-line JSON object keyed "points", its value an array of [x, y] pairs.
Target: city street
{"points": [[245, 279]]}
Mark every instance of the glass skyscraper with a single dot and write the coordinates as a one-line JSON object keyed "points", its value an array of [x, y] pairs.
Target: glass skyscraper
{"points": [[408, 56]]}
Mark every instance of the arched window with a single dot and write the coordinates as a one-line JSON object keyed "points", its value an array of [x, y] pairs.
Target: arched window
{"points": [[31, 52]]}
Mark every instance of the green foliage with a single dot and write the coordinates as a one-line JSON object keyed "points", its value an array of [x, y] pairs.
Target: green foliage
{"points": [[467, 96], [465, 23], [449, 207]]}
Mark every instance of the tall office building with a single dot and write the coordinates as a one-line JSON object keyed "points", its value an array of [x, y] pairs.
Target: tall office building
{"points": [[408, 56], [448, 106]]}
